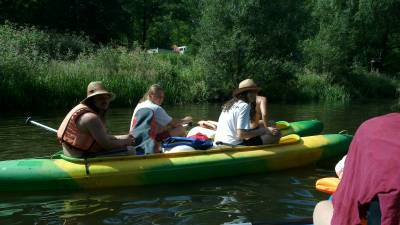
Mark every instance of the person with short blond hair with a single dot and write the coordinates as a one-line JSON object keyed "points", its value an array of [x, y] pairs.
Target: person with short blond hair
{"points": [[166, 125]]}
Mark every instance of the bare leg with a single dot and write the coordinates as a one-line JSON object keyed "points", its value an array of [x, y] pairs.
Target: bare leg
{"points": [[323, 213], [270, 138]]}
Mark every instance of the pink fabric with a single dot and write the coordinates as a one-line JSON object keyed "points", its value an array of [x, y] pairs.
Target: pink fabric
{"points": [[372, 169], [200, 136]]}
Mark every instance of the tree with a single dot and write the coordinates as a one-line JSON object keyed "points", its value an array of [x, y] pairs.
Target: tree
{"points": [[102, 20], [352, 33], [240, 39], [157, 23]]}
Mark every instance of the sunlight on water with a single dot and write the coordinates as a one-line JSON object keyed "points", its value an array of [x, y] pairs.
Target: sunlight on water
{"points": [[275, 196]]}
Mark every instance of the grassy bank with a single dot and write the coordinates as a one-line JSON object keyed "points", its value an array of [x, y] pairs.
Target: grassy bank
{"points": [[35, 74], [58, 83], [47, 70]]}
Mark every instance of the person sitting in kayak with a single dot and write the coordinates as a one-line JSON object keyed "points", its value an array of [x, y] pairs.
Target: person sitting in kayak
{"points": [[234, 121], [165, 126], [259, 118], [370, 185], [83, 130]]}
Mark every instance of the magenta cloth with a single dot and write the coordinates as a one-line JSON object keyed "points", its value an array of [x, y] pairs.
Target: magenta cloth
{"points": [[372, 169]]}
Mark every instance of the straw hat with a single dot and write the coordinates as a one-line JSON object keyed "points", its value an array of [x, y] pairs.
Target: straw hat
{"points": [[97, 88], [246, 85]]}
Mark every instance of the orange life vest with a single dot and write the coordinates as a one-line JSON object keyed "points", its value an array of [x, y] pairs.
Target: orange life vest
{"points": [[327, 184], [69, 133]]}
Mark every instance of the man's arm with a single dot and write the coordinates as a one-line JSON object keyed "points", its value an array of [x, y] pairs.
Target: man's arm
{"points": [[92, 124], [262, 101], [243, 130]]}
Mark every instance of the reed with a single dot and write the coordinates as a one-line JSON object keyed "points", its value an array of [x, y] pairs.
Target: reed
{"points": [[126, 73], [320, 88], [40, 70]]}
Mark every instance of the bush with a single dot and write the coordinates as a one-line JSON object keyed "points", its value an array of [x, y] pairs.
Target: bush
{"points": [[363, 84], [320, 88], [40, 45]]}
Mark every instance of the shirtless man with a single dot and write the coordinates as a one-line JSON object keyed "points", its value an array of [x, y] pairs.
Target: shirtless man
{"points": [[260, 119]]}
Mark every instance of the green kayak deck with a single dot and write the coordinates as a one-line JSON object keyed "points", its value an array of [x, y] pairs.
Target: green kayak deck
{"points": [[65, 173]]}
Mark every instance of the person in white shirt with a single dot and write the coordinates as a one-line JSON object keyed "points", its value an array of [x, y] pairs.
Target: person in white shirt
{"points": [[234, 120], [166, 125]]}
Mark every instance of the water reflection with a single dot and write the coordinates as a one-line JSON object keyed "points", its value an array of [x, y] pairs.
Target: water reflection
{"points": [[253, 198], [239, 199]]}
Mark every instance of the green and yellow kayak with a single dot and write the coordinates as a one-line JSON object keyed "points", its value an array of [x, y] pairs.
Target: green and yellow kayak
{"points": [[302, 128], [65, 173]]}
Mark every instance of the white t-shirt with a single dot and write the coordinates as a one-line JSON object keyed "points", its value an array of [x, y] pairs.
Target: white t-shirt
{"points": [[162, 118], [238, 117]]}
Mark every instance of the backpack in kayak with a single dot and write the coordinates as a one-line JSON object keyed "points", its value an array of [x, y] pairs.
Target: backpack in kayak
{"points": [[192, 142]]}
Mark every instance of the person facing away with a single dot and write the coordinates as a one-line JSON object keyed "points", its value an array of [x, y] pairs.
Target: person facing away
{"points": [[83, 131], [370, 185], [234, 120], [163, 125], [259, 118]]}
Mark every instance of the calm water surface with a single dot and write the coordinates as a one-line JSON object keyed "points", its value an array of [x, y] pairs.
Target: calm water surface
{"points": [[259, 198]]}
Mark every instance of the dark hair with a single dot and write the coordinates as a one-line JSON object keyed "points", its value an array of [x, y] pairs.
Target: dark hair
{"points": [[242, 96], [253, 111]]}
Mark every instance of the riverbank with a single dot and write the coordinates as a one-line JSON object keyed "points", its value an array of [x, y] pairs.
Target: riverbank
{"points": [[46, 70]]}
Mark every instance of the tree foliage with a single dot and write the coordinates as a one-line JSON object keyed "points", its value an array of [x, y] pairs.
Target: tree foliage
{"points": [[258, 39], [352, 33], [281, 44]]}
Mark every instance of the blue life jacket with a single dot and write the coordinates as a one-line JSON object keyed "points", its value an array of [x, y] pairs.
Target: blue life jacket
{"points": [[192, 142]]}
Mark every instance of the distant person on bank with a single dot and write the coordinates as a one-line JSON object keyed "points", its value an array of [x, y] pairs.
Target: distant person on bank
{"points": [[234, 123], [83, 131], [151, 121]]}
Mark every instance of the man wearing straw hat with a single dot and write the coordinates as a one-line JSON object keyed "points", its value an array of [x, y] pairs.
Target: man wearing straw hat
{"points": [[83, 131], [234, 120]]}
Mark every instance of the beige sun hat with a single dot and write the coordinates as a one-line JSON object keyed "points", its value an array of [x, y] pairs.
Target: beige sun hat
{"points": [[97, 88], [246, 85]]}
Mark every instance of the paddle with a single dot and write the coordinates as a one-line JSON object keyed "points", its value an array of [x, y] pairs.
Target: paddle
{"points": [[29, 120]]}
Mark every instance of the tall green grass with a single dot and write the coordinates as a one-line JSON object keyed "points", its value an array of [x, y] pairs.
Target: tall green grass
{"points": [[37, 77], [40, 70], [320, 87], [127, 73]]}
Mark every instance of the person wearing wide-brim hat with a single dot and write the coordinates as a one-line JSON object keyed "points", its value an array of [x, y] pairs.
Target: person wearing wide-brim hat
{"points": [[83, 131], [246, 86], [234, 123]]}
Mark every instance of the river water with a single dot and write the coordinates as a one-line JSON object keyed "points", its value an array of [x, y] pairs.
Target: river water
{"points": [[267, 198]]}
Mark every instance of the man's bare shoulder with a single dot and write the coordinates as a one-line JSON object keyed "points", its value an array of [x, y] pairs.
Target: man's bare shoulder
{"points": [[261, 99], [89, 118]]}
